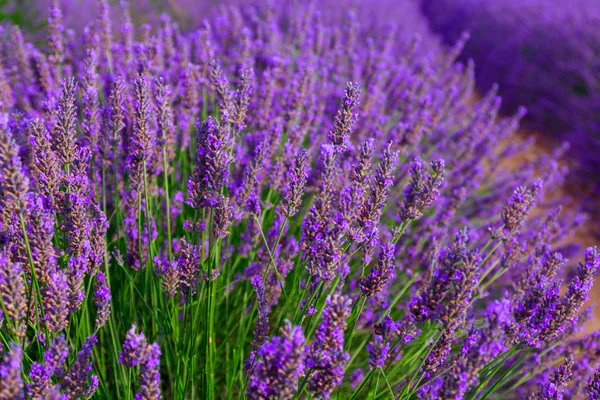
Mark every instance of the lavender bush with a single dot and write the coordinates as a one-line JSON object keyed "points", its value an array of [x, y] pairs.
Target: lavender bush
{"points": [[285, 203]]}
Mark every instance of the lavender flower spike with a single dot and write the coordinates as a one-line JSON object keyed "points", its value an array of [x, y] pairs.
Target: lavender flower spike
{"points": [[133, 348], [12, 295], [279, 364], [211, 169], [553, 389], [11, 382], [64, 130], [55, 35], [150, 375], [292, 198], [517, 210], [377, 279], [327, 358], [75, 381], [56, 302], [102, 300], [339, 135], [13, 182], [593, 387], [223, 216], [422, 190]]}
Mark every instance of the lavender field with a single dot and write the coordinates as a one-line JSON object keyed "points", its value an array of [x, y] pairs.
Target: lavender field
{"points": [[291, 200]]}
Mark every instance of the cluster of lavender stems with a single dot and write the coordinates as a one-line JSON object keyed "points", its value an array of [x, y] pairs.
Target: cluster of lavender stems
{"points": [[281, 202]]}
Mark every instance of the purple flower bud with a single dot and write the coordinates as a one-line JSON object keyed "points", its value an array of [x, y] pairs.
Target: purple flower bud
{"points": [[188, 263], [55, 35], [75, 380], [262, 322], [371, 210], [517, 210], [11, 382], [143, 139], [379, 346], [339, 135], [422, 190], [224, 94], [212, 163], [150, 374], [379, 276], [13, 182], [12, 293], [243, 98], [554, 387], [278, 365], [223, 215], [64, 130], [102, 300], [593, 386], [45, 170], [133, 348], [56, 302], [292, 198], [326, 360]]}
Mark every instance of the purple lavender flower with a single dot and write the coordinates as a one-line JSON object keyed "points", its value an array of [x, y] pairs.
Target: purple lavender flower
{"points": [[90, 100], [279, 364], [11, 382], [169, 273], [134, 348], [422, 190], [593, 387], [56, 302], [102, 299], [116, 122], [64, 130], [251, 181], [104, 31], [457, 265], [542, 314], [55, 36], [379, 346], [150, 375], [379, 276], [212, 162], [221, 85], [262, 322], [370, 211], [137, 351], [143, 138], [13, 182], [223, 215], [243, 97], [319, 239], [556, 384], [45, 169], [326, 360], [75, 380], [164, 121], [40, 374], [56, 355], [339, 135], [356, 377], [294, 189], [12, 295], [517, 210]]}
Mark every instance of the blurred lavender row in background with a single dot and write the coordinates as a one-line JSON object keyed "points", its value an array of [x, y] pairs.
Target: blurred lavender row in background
{"points": [[544, 55]]}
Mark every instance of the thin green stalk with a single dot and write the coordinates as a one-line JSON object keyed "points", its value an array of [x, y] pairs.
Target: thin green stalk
{"points": [[271, 259]]}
